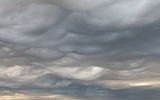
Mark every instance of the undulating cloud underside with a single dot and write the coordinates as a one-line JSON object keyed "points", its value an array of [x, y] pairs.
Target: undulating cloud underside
{"points": [[80, 49]]}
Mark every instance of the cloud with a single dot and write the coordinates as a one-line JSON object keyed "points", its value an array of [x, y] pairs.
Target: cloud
{"points": [[56, 43]]}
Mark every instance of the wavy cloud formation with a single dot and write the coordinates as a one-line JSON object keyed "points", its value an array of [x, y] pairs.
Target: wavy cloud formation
{"points": [[80, 45]]}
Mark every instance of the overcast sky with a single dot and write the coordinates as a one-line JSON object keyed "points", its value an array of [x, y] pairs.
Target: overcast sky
{"points": [[80, 49]]}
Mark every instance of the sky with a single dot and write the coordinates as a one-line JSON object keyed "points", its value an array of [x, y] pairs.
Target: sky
{"points": [[79, 50]]}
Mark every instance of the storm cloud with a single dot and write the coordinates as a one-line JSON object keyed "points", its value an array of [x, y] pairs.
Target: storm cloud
{"points": [[80, 49]]}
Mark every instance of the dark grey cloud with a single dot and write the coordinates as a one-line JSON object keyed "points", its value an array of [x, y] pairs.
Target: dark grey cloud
{"points": [[94, 92], [86, 47]]}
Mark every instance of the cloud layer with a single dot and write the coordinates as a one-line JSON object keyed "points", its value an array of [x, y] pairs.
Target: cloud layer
{"points": [[101, 44]]}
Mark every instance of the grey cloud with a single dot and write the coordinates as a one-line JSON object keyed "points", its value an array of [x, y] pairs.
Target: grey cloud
{"points": [[57, 43], [96, 92]]}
